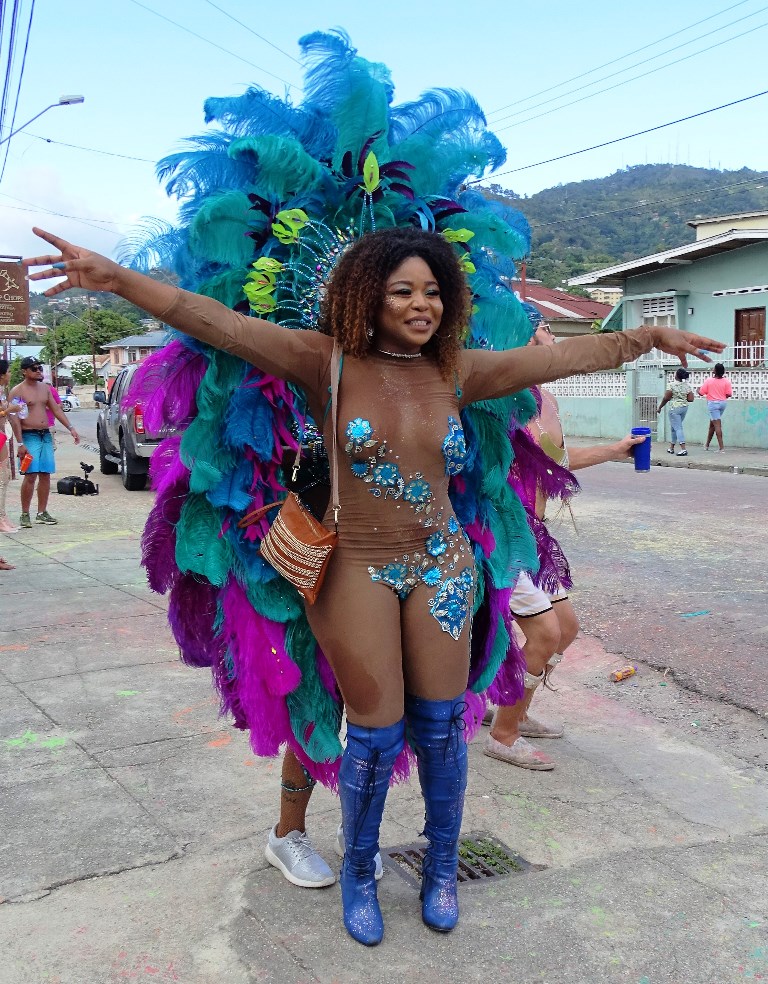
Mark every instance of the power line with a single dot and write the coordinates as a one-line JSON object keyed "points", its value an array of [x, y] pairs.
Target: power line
{"points": [[629, 136], [18, 88], [200, 37], [652, 71], [91, 150], [613, 61], [255, 33], [60, 215]]}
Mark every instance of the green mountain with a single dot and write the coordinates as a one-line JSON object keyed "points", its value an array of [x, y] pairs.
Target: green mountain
{"points": [[643, 209]]}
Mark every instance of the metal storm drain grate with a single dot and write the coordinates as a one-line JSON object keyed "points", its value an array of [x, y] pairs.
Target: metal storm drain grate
{"points": [[481, 858]]}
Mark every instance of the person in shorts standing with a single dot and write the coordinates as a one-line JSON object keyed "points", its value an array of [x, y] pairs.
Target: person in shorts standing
{"points": [[34, 437], [678, 396], [717, 389]]}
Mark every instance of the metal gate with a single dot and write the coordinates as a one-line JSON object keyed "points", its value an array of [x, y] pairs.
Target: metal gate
{"points": [[647, 390]]}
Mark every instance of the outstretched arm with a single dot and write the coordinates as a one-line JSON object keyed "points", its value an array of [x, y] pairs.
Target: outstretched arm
{"points": [[600, 453], [488, 375], [286, 353]]}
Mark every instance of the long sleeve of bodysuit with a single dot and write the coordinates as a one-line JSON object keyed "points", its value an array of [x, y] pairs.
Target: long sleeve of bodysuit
{"points": [[300, 357], [488, 375]]}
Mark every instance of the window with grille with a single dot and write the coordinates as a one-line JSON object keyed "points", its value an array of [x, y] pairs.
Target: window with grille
{"points": [[659, 311]]}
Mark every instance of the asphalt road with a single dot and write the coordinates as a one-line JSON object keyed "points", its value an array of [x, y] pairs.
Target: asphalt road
{"points": [[669, 569]]}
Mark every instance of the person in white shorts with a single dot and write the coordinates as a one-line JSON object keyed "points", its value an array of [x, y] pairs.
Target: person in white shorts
{"points": [[548, 621]]}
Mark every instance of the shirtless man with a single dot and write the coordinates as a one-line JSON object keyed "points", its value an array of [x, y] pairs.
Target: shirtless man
{"points": [[548, 621], [33, 436]]}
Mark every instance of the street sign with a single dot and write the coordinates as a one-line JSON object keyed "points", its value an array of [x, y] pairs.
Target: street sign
{"points": [[14, 295]]}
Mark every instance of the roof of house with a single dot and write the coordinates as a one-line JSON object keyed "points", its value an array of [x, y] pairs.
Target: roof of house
{"points": [[70, 360], [152, 339], [733, 215], [679, 256], [558, 305]]}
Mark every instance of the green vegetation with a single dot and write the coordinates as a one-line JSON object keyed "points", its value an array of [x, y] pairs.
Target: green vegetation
{"points": [[643, 209], [83, 334]]}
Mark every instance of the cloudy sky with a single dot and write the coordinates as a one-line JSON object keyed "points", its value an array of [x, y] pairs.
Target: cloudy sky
{"points": [[554, 77]]}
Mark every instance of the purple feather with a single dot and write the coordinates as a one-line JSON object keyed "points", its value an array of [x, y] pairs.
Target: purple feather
{"points": [[261, 671], [533, 469], [158, 541], [166, 386], [554, 571], [192, 613]]}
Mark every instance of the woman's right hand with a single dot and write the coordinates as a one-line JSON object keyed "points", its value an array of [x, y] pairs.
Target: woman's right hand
{"points": [[80, 266]]}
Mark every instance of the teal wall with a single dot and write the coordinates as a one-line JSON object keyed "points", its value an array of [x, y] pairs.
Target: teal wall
{"points": [[585, 416], [712, 316], [745, 422]]}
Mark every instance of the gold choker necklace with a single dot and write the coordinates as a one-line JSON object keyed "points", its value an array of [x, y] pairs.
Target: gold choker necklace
{"points": [[399, 355]]}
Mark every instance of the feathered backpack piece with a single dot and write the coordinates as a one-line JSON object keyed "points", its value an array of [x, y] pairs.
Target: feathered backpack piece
{"points": [[270, 196]]}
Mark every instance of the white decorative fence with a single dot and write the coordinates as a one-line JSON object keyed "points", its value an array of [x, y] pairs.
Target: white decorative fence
{"points": [[595, 385], [747, 384]]}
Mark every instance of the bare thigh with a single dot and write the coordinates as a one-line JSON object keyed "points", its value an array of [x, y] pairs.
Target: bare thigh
{"points": [[435, 665], [357, 625]]}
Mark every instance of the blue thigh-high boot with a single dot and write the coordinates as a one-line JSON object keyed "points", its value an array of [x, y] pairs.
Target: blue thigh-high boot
{"points": [[437, 729], [366, 768]]}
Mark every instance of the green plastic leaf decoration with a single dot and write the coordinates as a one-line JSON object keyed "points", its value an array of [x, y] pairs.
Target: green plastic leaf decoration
{"points": [[467, 265], [289, 222], [371, 178], [269, 264], [458, 235]]}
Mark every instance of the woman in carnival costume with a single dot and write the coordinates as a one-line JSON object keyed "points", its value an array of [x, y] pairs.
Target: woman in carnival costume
{"points": [[393, 619]]}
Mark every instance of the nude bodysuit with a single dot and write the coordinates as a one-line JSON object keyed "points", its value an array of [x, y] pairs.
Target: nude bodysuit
{"points": [[402, 576]]}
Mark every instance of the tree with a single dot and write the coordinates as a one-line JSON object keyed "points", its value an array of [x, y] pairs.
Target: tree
{"points": [[17, 376], [82, 372], [83, 336]]}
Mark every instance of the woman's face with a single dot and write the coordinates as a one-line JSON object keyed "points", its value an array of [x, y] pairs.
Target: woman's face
{"points": [[411, 309]]}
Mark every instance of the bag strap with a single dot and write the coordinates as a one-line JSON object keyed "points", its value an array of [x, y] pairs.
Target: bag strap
{"points": [[256, 514], [335, 375]]}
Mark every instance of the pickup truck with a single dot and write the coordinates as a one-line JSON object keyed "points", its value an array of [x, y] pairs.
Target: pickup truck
{"points": [[124, 444]]}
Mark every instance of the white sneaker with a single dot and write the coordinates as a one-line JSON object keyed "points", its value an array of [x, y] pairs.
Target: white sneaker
{"points": [[298, 860], [340, 851]]}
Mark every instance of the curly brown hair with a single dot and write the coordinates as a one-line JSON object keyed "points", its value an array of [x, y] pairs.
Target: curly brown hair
{"points": [[356, 290]]}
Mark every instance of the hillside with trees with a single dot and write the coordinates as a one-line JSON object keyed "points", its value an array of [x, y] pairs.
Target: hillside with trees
{"points": [[643, 209]]}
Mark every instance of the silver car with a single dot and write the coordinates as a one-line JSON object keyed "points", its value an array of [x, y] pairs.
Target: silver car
{"points": [[124, 444]]}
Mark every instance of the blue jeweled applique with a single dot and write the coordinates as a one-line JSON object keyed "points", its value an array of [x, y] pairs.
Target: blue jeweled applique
{"points": [[453, 525], [454, 448], [436, 544], [432, 576], [451, 603], [417, 492], [358, 431], [387, 475], [395, 576], [360, 468]]}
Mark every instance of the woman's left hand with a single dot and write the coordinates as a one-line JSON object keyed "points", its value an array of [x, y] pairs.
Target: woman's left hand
{"points": [[684, 343]]}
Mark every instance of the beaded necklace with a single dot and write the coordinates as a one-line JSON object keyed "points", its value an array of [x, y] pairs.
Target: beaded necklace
{"points": [[400, 355]]}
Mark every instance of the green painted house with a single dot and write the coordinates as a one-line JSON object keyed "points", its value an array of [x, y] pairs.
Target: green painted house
{"points": [[715, 286]]}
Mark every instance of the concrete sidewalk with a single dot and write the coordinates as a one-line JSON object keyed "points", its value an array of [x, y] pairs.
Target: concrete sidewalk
{"points": [[134, 819], [746, 461]]}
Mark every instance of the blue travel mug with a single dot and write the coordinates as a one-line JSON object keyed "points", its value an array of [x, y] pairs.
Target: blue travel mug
{"points": [[642, 452]]}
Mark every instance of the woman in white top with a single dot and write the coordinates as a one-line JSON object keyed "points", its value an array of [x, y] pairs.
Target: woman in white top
{"points": [[678, 396]]}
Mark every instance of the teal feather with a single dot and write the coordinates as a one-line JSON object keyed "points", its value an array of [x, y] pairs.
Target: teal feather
{"points": [[199, 548], [497, 657], [226, 286], [281, 166], [219, 230]]}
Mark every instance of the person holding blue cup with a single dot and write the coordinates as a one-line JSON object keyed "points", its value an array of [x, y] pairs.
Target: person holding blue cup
{"points": [[641, 451]]}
